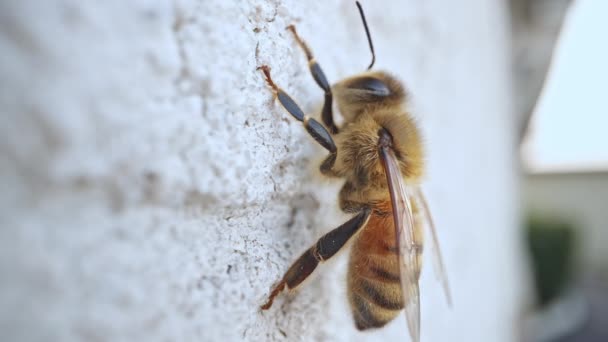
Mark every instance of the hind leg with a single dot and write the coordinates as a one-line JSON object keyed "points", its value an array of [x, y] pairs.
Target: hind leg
{"points": [[326, 247]]}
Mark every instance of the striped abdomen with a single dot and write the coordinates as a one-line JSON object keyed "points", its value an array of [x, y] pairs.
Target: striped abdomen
{"points": [[374, 285]]}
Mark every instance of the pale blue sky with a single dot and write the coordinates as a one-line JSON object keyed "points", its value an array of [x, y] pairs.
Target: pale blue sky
{"points": [[568, 131]]}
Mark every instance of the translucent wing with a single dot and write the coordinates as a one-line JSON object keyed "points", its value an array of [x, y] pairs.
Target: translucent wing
{"points": [[406, 241], [437, 258]]}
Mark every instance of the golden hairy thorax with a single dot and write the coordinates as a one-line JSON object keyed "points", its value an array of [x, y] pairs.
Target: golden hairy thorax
{"points": [[358, 159]]}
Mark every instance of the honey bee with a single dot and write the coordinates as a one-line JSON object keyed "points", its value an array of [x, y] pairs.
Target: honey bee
{"points": [[379, 153]]}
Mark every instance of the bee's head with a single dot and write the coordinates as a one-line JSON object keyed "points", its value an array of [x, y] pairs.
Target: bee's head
{"points": [[370, 90]]}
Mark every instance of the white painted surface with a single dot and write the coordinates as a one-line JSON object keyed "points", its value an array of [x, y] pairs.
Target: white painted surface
{"points": [[152, 190]]}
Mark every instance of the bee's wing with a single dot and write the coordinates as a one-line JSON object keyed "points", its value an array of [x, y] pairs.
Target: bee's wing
{"points": [[438, 264], [404, 230]]}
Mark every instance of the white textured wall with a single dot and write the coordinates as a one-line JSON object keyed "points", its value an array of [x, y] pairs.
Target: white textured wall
{"points": [[152, 191]]}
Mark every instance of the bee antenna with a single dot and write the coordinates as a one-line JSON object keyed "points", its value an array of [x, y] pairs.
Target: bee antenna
{"points": [[369, 37]]}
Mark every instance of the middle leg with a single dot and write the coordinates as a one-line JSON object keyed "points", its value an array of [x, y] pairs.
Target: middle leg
{"points": [[313, 127]]}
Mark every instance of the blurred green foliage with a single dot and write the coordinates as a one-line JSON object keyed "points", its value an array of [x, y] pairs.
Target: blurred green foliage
{"points": [[551, 244]]}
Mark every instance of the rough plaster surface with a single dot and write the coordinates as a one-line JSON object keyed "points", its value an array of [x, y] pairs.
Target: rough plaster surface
{"points": [[151, 190]]}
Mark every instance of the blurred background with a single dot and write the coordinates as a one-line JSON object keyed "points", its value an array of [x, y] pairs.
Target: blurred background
{"points": [[560, 56]]}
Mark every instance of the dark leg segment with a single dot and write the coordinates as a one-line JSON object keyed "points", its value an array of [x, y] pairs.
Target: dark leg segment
{"points": [[326, 247], [314, 128], [319, 76], [320, 134], [328, 164]]}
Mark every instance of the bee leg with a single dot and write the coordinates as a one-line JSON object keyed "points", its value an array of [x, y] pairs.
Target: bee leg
{"points": [[346, 204], [326, 247], [319, 76], [328, 165], [314, 128]]}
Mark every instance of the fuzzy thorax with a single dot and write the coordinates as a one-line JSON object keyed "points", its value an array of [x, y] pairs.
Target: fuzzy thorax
{"points": [[358, 156]]}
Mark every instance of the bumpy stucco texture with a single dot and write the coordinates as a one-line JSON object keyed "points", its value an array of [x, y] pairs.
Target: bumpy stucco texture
{"points": [[152, 191]]}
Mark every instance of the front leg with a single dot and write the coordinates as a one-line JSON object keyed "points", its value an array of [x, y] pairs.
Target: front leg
{"points": [[319, 77], [326, 247]]}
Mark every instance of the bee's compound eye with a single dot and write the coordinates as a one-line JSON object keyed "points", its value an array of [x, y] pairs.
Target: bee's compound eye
{"points": [[370, 84]]}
